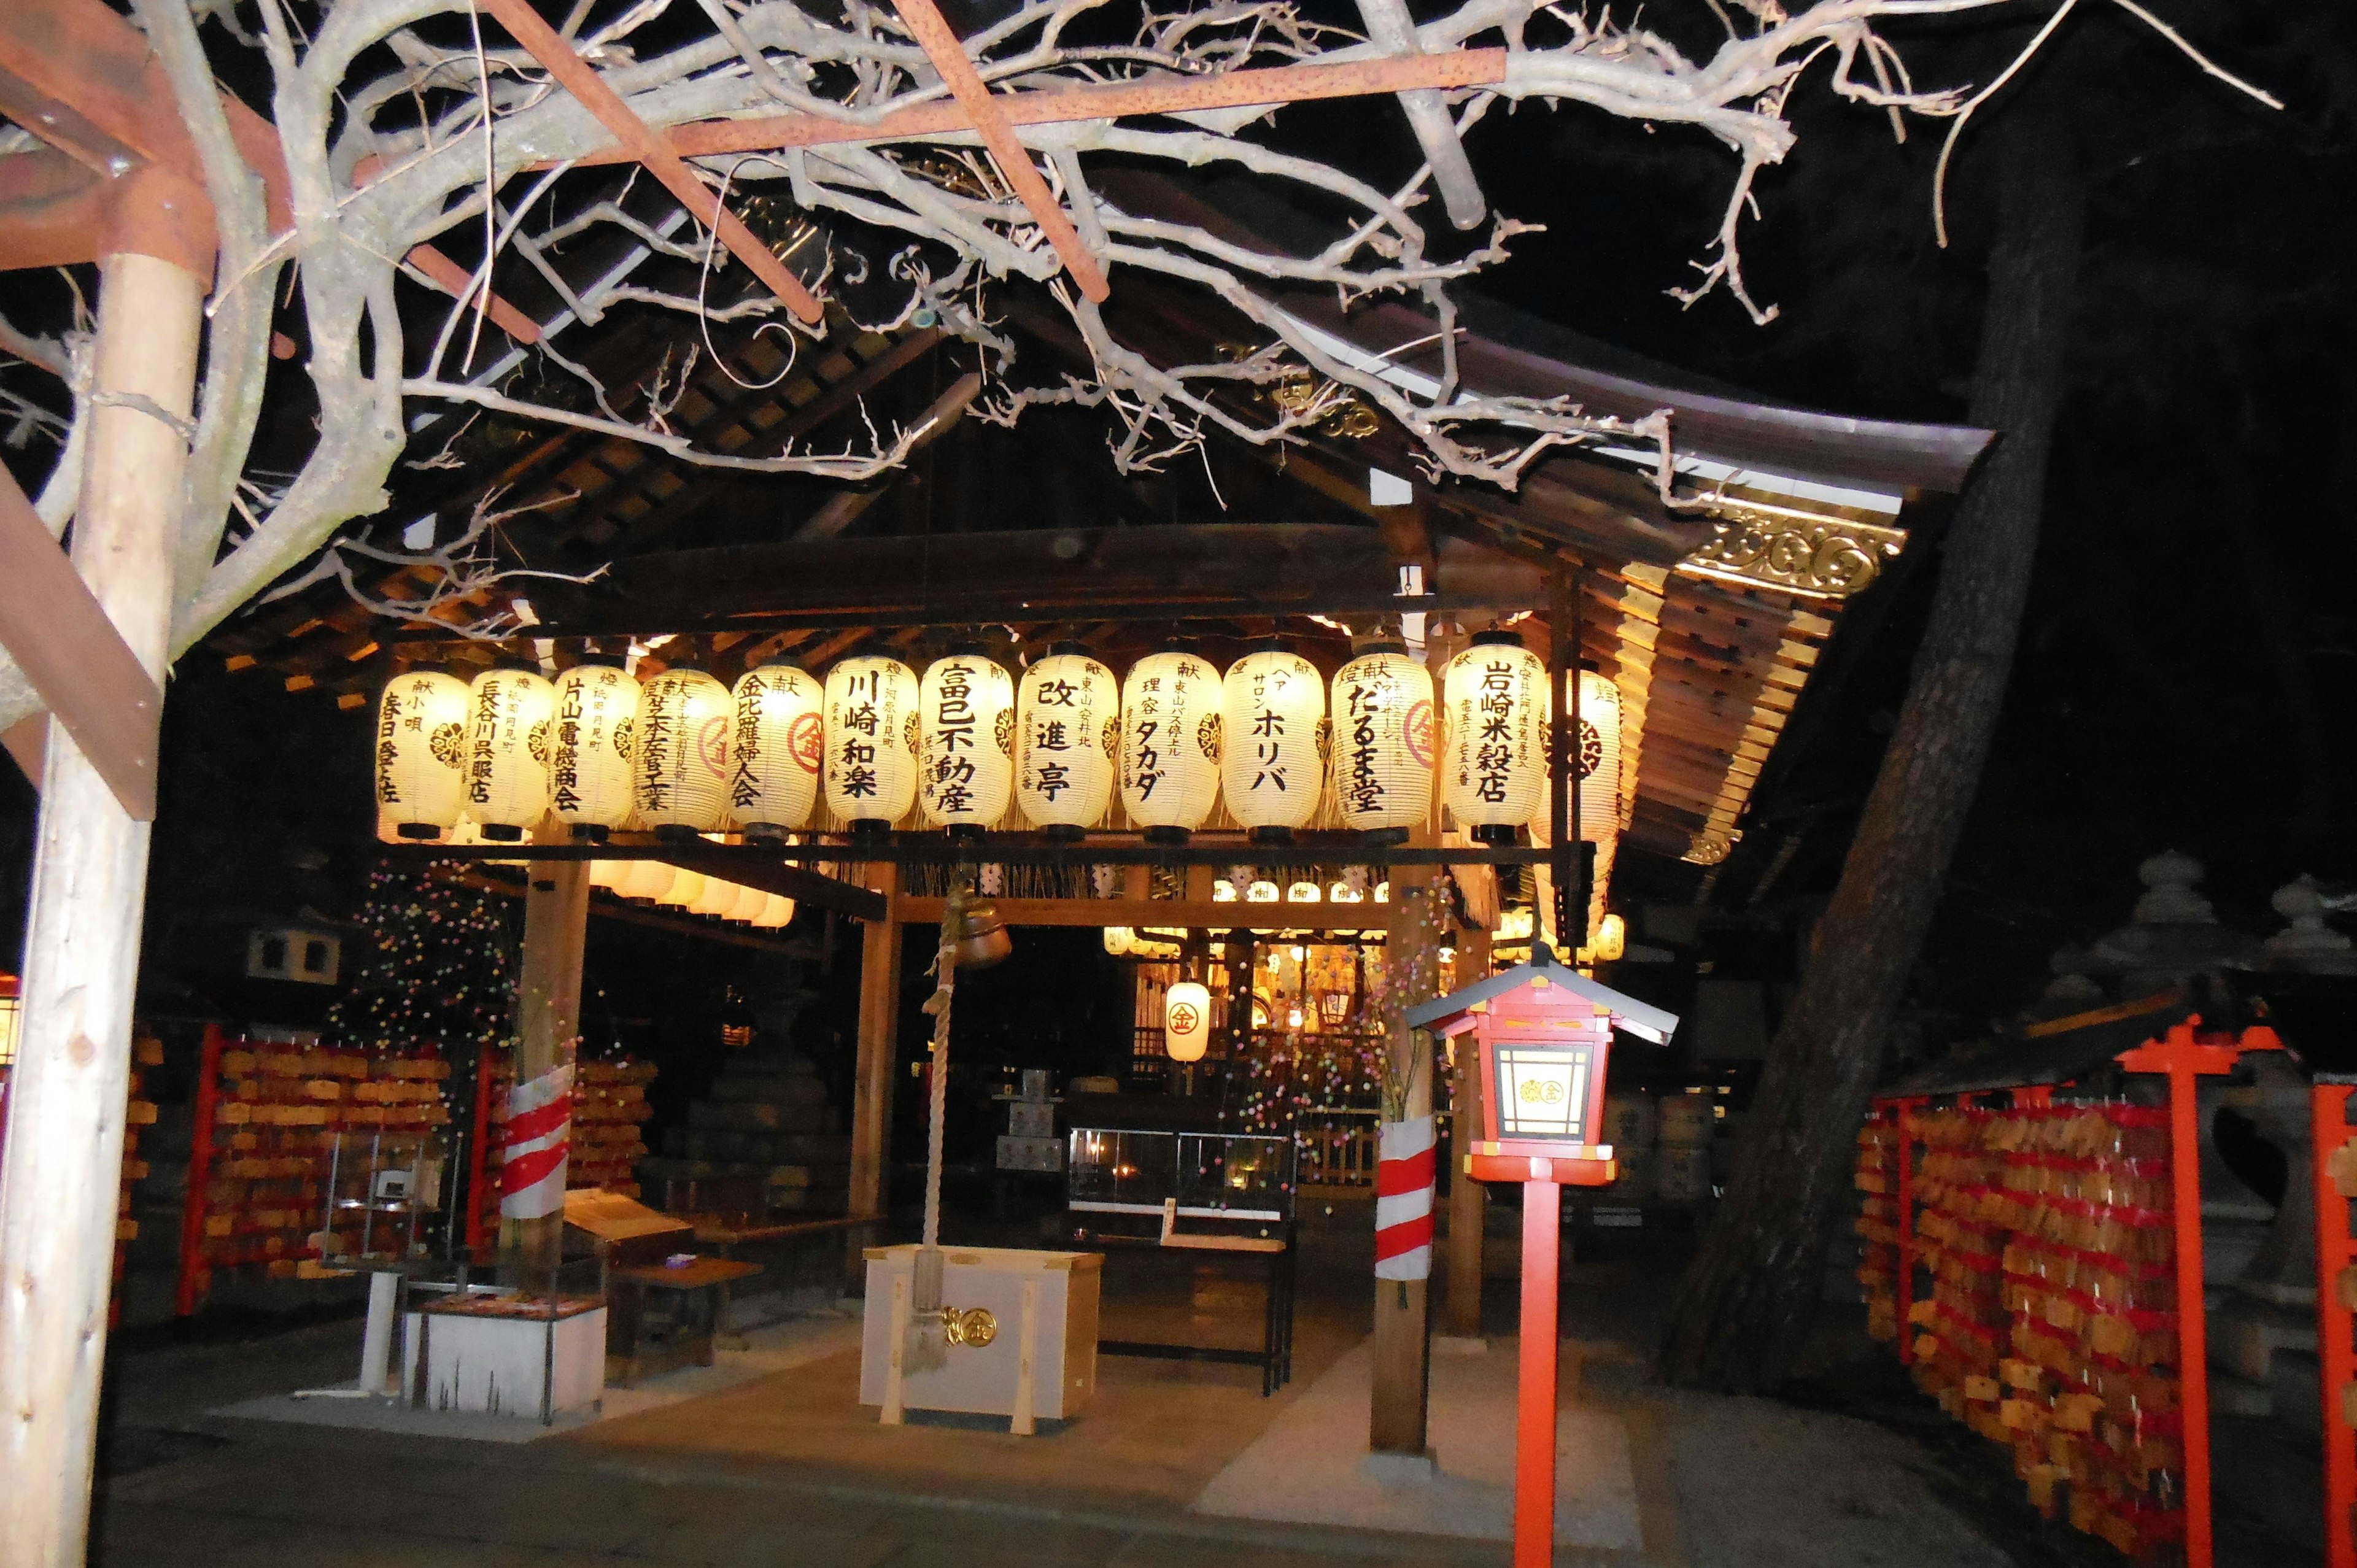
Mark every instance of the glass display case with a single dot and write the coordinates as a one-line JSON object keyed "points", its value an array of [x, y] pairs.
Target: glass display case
{"points": [[384, 1186], [1212, 1175]]}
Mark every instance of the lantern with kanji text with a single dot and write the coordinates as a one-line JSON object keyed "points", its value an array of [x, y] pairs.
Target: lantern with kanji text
{"points": [[871, 741], [1068, 727], [966, 744], [774, 762], [592, 749]]}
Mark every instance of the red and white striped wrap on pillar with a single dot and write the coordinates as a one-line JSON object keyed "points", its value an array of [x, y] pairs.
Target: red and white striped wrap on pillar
{"points": [[1403, 1177], [538, 1136]]}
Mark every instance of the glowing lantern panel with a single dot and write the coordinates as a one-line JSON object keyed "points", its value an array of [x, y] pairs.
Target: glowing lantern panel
{"points": [[1272, 706], [1171, 743], [1186, 1021], [683, 772], [871, 740], [1493, 692], [1383, 742], [507, 751], [779, 742], [965, 743], [1069, 728], [590, 756], [421, 738]]}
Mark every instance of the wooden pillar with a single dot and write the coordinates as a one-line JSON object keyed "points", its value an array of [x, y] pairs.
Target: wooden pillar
{"points": [[1403, 1325], [1467, 1197], [871, 1094], [61, 1172], [548, 1027]]}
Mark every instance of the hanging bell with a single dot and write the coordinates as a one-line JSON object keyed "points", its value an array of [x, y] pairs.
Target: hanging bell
{"points": [[977, 936]]}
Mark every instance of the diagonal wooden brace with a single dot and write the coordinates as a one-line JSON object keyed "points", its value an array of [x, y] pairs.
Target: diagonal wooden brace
{"points": [[965, 84]]}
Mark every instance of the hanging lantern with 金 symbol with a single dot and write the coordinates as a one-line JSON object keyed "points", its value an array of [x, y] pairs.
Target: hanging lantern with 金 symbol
{"points": [[509, 708], [871, 741], [1170, 745], [1068, 727], [682, 763], [591, 755], [1383, 739], [778, 743], [1493, 693], [1595, 760], [976, 936], [1272, 706], [965, 743], [777, 912], [1187, 1021], [421, 740]]}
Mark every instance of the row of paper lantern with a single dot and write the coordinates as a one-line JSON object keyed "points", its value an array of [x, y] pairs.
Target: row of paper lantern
{"points": [[692, 892], [683, 754]]}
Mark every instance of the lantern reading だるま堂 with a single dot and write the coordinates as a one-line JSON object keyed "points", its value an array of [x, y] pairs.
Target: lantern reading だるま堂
{"points": [[965, 743], [1271, 704], [773, 766], [421, 741], [1066, 725], [871, 741], [1383, 742], [683, 765], [1171, 743], [1186, 1020], [507, 750], [1493, 693], [590, 754]]}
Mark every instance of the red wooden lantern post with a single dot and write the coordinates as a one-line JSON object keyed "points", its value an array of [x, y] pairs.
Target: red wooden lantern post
{"points": [[1544, 1033]]}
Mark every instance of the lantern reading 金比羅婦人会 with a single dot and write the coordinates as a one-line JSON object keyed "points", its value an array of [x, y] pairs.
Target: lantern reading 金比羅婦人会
{"points": [[590, 753], [1187, 1020], [683, 763], [1171, 743], [1492, 695], [965, 743], [421, 752], [1068, 726], [508, 737], [871, 741], [1271, 704], [779, 742], [1383, 732]]}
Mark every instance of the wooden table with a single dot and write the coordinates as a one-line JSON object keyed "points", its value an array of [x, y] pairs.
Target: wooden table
{"points": [[684, 1333]]}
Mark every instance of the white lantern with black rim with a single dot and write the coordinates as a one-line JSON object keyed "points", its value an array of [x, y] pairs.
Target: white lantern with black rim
{"points": [[421, 745], [1187, 1020], [965, 743], [592, 754], [1384, 737], [1068, 727], [1493, 694], [1272, 706], [871, 741], [682, 769], [1171, 743], [777, 912], [509, 711], [778, 741]]}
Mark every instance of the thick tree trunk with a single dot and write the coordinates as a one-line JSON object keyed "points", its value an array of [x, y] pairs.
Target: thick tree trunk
{"points": [[1746, 1304]]}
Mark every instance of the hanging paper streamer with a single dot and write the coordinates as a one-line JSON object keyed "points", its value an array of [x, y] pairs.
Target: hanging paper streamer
{"points": [[1404, 1179], [538, 1137]]}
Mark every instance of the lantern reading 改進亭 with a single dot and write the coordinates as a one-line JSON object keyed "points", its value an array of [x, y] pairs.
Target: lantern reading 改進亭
{"points": [[1068, 726], [1187, 1020], [421, 753], [683, 761], [779, 742], [1271, 704], [591, 753], [965, 743], [871, 741], [1492, 693], [1383, 743], [1171, 743], [507, 740]]}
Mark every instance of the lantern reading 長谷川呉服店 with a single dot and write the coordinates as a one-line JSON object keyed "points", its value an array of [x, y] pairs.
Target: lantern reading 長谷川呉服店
{"points": [[421, 749], [965, 743], [590, 754], [508, 739], [1187, 1020], [779, 739], [1492, 693], [1068, 726], [1171, 743], [1383, 743], [871, 741]]}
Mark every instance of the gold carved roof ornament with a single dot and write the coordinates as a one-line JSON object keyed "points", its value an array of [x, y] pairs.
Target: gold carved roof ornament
{"points": [[1762, 545]]}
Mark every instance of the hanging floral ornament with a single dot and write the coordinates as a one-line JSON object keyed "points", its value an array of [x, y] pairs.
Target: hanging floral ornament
{"points": [[965, 743], [1493, 692], [509, 712], [682, 766], [591, 753], [777, 742], [871, 741], [1170, 745], [1068, 727], [1383, 743], [1272, 706], [421, 735]]}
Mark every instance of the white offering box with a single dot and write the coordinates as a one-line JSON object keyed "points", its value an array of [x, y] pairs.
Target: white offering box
{"points": [[503, 1363], [1024, 1341]]}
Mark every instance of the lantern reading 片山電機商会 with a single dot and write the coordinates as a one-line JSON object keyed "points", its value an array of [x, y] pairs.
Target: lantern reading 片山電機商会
{"points": [[591, 753]]}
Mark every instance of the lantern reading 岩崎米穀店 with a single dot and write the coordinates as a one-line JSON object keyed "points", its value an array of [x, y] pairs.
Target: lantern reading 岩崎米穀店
{"points": [[871, 741], [508, 738], [1272, 706], [779, 739], [683, 763], [1492, 695], [1383, 742], [421, 745], [965, 743], [1186, 1020], [1068, 726], [590, 754], [1171, 743]]}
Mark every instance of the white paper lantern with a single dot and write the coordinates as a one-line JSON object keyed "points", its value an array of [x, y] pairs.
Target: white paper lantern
{"points": [[1119, 939], [1495, 692], [871, 741], [1384, 741], [507, 712], [420, 738], [646, 879], [1186, 1021], [717, 898], [1068, 726], [591, 755], [1171, 743], [777, 911], [750, 901], [608, 874], [965, 743], [1596, 757], [778, 741], [1271, 703], [686, 887], [683, 763]]}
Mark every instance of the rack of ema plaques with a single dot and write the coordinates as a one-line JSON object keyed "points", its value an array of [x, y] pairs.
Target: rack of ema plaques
{"points": [[1017, 1336], [2034, 1250]]}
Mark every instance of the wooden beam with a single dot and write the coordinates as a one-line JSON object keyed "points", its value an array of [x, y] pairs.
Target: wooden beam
{"points": [[1162, 912], [844, 508], [874, 1069]]}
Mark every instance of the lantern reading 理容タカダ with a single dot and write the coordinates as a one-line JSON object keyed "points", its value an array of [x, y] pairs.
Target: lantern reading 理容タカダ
{"points": [[421, 740], [871, 741], [590, 754], [1187, 1020], [1383, 742], [1068, 725], [779, 739], [1492, 693], [1271, 704], [1171, 743], [507, 742], [965, 743], [682, 762]]}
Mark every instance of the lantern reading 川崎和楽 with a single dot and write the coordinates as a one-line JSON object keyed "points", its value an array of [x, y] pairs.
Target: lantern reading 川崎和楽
{"points": [[871, 741]]}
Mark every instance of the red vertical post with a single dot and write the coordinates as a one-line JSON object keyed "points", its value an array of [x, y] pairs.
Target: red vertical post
{"points": [[2330, 1130], [1534, 1410], [1902, 1112], [201, 1164], [2192, 1313]]}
